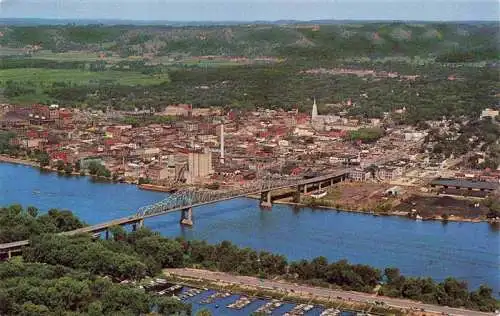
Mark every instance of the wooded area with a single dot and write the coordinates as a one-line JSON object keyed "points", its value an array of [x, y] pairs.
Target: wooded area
{"points": [[133, 256], [452, 67]]}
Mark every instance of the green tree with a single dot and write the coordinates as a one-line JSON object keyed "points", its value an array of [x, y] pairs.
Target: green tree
{"points": [[43, 159], [171, 306], [32, 211], [118, 232], [203, 312], [68, 169], [60, 165]]}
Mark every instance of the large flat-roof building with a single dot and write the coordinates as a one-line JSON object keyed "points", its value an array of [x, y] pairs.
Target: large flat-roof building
{"points": [[465, 187]]}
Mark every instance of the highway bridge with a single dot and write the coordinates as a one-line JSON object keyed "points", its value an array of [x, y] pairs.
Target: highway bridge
{"points": [[185, 200]]}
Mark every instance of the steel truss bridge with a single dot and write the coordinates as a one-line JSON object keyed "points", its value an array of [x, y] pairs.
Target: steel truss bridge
{"points": [[191, 198], [185, 200]]}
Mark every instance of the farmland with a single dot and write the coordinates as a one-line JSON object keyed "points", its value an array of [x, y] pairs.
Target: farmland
{"points": [[75, 76], [36, 85], [246, 66]]}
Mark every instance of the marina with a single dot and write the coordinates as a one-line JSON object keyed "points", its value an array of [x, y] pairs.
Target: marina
{"points": [[467, 251], [300, 309], [330, 312], [226, 303], [242, 302], [269, 307], [212, 298]]}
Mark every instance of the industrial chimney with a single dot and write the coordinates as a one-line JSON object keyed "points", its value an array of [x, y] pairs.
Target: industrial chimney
{"points": [[222, 143]]}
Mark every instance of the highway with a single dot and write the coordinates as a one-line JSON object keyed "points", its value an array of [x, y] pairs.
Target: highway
{"points": [[319, 292]]}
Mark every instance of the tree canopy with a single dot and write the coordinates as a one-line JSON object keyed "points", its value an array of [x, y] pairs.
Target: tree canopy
{"points": [[86, 266]]}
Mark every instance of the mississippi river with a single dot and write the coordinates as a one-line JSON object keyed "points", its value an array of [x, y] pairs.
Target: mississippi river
{"points": [[467, 251]]}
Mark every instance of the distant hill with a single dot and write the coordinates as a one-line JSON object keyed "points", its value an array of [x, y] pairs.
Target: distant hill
{"points": [[289, 39], [41, 21]]}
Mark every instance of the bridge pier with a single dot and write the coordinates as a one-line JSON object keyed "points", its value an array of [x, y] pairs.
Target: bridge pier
{"points": [[106, 234], [265, 199], [138, 225], [305, 188], [319, 185], [187, 216], [296, 195]]}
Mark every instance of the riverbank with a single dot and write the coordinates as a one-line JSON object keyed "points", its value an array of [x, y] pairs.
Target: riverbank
{"points": [[366, 212], [390, 213], [471, 249], [34, 164], [149, 187], [412, 202], [8, 159], [335, 297]]}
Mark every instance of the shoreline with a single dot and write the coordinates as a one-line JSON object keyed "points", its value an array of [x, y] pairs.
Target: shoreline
{"points": [[395, 214], [307, 292], [7, 159], [32, 164], [17, 161]]}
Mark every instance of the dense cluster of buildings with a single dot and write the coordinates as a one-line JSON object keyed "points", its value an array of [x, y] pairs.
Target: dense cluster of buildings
{"points": [[200, 146]]}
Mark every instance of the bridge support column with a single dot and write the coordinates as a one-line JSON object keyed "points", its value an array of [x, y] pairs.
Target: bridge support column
{"points": [[106, 234], [187, 216], [9, 254], [332, 182], [305, 188], [319, 185], [137, 225], [265, 199], [296, 195]]}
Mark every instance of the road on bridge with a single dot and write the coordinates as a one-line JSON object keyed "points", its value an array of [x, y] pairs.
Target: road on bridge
{"points": [[175, 204], [319, 292]]}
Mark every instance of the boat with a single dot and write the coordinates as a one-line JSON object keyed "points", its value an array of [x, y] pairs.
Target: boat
{"points": [[319, 194], [158, 188]]}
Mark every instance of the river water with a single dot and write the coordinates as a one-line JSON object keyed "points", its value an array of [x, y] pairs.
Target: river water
{"points": [[467, 251]]}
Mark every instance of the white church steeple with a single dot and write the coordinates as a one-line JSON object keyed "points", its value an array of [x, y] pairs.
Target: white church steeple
{"points": [[314, 113]]}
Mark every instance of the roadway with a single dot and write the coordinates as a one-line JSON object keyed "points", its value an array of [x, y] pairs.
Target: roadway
{"points": [[134, 218], [323, 293]]}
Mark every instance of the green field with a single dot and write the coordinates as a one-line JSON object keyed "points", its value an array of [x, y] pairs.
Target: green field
{"points": [[44, 76], [72, 56]]}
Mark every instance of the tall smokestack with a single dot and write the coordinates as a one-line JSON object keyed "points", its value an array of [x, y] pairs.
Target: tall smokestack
{"points": [[222, 143]]}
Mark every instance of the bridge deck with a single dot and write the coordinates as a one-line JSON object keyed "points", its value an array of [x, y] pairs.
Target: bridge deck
{"points": [[134, 219]]}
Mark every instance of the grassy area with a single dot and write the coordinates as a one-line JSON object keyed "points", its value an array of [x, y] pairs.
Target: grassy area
{"points": [[72, 56], [80, 77], [28, 99]]}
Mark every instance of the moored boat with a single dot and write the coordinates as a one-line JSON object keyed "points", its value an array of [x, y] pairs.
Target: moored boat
{"points": [[318, 194]]}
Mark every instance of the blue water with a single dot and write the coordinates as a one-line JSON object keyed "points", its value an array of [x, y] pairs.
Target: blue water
{"points": [[219, 306], [467, 251]]}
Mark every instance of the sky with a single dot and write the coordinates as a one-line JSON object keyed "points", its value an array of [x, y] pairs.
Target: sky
{"points": [[251, 10]]}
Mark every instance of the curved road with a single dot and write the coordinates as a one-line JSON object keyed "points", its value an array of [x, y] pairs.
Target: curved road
{"points": [[319, 292]]}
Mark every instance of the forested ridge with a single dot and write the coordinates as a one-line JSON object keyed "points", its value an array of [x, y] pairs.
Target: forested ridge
{"points": [[448, 41], [453, 67], [80, 263]]}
